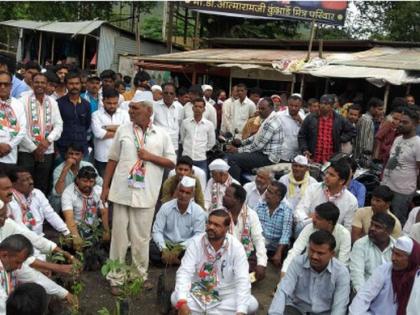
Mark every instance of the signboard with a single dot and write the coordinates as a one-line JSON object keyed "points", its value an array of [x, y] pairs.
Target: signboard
{"points": [[327, 12]]}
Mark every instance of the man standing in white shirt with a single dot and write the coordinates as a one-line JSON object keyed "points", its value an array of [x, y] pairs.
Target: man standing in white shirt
{"points": [[297, 181], [236, 115], [255, 190], [332, 189], [30, 206], [209, 113], [105, 122], [207, 92], [44, 126], [225, 125], [197, 135], [137, 159], [246, 227], [12, 122], [14, 250], [214, 266], [291, 119], [168, 114]]}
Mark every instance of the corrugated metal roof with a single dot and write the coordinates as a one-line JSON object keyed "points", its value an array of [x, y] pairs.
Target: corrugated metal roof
{"points": [[80, 27], [234, 56], [385, 57]]}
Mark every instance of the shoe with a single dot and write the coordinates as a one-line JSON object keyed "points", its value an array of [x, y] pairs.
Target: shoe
{"points": [[148, 285]]}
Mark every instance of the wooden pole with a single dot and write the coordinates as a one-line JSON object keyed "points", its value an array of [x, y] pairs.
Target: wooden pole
{"points": [[230, 82], [170, 27], [302, 85], [40, 48], [8, 38], [311, 40], [138, 44], [327, 85], [407, 91], [52, 48], [292, 87], [321, 48], [84, 53], [386, 95], [194, 76]]}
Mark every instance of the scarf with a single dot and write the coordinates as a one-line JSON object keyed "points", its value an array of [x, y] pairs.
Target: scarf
{"points": [[138, 171], [293, 183], [8, 280], [28, 218], [89, 209], [402, 280], [245, 237], [216, 193], [39, 118], [8, 119], [329, 196]]}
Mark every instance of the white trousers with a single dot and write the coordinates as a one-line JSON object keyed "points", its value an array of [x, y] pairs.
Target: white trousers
{"points": [[131, 225], [226, 307]]}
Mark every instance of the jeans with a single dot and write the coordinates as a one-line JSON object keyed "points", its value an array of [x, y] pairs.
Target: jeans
{"points": [[202, 165], [246, 162], [400, 206], [100, 167], [41, 171]]}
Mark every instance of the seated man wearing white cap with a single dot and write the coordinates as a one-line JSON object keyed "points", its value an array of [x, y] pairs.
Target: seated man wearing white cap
{"points": [[297, 181], [207, 92], [177, 221], [388, 289], [217, 184], [157, 92]]}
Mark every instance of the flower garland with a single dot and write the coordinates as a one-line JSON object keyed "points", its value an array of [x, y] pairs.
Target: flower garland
{"points": [[40, 118], [89, 208], [28, 218], [8, 119]]}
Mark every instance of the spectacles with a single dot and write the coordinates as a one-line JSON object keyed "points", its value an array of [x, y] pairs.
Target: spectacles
{"points": [[5, 84]]}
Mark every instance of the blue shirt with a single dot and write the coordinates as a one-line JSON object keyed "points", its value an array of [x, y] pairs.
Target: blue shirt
{"points": [[76, 123], [94, 102], [359, 191], [170, 225], [18, 87], [277, 227], [322, 293]]}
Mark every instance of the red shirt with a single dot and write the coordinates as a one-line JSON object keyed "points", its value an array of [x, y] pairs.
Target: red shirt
{"points": [[324, 143]]}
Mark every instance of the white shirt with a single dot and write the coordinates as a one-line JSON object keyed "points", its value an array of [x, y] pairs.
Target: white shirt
{"points": [[210, 101], [27, 144], [14, 141], [413, 305], [233, 277], [256, 231], [41, 211], [27, 274], [71, 200], [342, 248], [100, 119], [209, 113], [294, 200], [291, 127], [235, 114], [253, 196], [314, 196], [100, 97], [169, 118], [124, 152], [411, 220], [198, 172], [220, 194], [197, 138]]}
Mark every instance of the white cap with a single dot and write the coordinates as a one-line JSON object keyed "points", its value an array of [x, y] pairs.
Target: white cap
{"points": [[188, 182], [219, 165], [144, 97], [206, 87], [296, 95], [156, 88], [1, 204], [405, 244], [301, 160]]}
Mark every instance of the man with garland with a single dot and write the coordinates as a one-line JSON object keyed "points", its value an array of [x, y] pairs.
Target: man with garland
{"points": [[44, 126], [12, 122]]}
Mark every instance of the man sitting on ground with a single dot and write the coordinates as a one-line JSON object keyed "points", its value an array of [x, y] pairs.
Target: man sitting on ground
{"points": [[276, 220], [81, 201], [218, 183], [184, 167], [372, 250], [177, 222], [315, 283], [325, 218], [213, 276], [255, 190], [297, 181], [246, 227], [380, 203]]}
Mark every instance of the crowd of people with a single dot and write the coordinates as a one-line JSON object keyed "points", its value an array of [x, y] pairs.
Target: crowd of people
{"points": [[77, 149]]}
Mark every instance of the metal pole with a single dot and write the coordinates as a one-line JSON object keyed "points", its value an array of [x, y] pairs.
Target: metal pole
{"points": [[52, 49], [311, 40], [386, 96], [39, 48], [84, 52], [327, 85], [302, 85]]}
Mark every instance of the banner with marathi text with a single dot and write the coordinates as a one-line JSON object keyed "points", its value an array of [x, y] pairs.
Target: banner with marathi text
{"points": [[328, 12]]}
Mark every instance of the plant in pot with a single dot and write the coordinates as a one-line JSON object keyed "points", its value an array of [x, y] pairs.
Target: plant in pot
{"points": [[130, 285]]}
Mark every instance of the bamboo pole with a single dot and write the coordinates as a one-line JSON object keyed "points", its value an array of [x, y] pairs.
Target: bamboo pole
{"points": [[386, 95], [52, 49], [84, 53], [40, 48]]}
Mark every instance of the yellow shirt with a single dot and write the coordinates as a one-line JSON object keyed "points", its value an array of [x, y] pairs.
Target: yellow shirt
{"points": [[363, 217]]}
